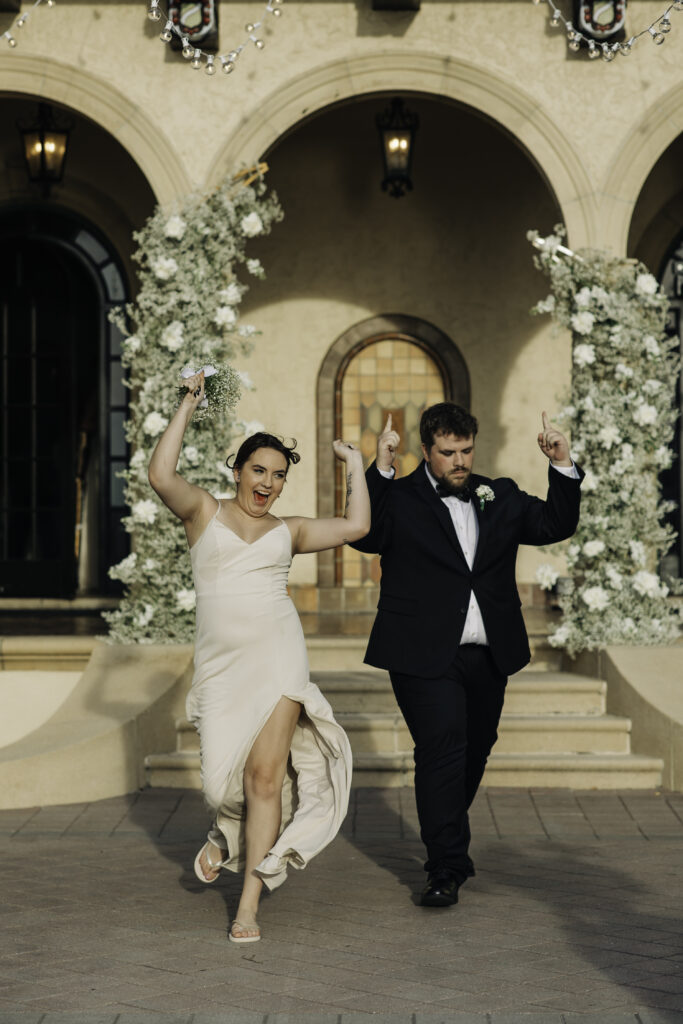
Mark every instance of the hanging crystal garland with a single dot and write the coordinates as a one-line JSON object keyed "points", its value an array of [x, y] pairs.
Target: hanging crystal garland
{"points": [[657, 30], [21, 21], [196, 56]]}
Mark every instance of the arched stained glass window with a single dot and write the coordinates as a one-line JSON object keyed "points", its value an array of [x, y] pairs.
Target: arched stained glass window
{"points": [[393, 375]]}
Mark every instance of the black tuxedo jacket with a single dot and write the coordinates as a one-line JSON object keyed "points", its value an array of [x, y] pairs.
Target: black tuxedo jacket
{"points": [[426, 582]]}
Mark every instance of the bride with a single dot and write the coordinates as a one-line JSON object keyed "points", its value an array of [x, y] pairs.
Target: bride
{"points": [[275, 766]]}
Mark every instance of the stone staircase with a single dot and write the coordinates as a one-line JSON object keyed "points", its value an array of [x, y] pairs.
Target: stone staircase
{"points": [[554, 732]]}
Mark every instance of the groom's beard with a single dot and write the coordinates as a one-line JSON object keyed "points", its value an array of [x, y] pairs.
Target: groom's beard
{"points": [[452, 482]]}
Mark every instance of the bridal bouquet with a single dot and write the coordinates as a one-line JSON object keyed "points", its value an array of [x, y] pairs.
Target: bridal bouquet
{"points": [[221, 389]]}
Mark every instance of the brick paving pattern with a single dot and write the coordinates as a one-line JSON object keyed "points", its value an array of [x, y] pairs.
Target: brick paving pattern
{"points": [[575, 915]]}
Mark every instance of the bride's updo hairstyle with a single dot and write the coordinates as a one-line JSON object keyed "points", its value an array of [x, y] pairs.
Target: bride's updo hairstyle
{"points": [[263, 440]]}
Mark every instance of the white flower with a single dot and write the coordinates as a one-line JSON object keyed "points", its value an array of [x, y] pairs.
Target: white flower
{"points": [[230, 295], [164, 267], [627, 452], [637, 550], [651, 345], [172, 336], [590, 482], [645, 415], [245, 380], [600, 295], [125, 570], [546, 305], [614, 577], [144, 511], [646, 284], [145, 616], [573, 550], [592, 548], [663, 457], [596, 598], [588, 402], [652, 387], [246, 330], [560, 636], [254, 267], [583, 298], [251, 225], [623, 371], [648, 585], [138, 459], [154, 423], [252, 427], [186, 599], [484, 493], [191, 455], [225, 316], [608, 436], [628, 625], [175, 227], [582, 323], [150, 564], [547, 577], [133, 343], [584, 355]]}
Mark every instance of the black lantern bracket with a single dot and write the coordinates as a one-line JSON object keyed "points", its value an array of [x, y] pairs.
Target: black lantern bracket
{"points": [[397, 128]]}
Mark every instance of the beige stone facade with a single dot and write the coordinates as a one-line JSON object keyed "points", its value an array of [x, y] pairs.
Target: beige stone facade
{"points": [[515, 133]]}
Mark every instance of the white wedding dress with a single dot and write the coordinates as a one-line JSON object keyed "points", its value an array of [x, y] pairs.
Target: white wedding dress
{"points": [[250, 652]]}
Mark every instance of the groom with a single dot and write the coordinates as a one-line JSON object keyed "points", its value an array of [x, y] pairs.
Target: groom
{"points": [[449, 626]]}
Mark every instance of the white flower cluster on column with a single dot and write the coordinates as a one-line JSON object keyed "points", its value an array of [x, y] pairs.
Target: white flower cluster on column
{"points": [[186, 312], [621, 415]]}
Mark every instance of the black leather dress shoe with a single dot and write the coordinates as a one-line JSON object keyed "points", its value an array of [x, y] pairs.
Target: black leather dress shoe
{"points": [[441, 890]]}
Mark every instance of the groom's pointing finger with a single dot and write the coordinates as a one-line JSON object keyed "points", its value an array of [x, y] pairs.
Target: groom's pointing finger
{"points": [[546, 421], [387, 425]]}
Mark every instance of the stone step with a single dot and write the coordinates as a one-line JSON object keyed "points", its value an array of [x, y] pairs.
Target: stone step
{"points": [[180, 769], [557, 771], [531, 691], [386, 732], [337, 653], [50, 653]]}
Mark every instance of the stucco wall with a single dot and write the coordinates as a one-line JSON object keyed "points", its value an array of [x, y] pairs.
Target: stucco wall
{"points": [[563, 139]]}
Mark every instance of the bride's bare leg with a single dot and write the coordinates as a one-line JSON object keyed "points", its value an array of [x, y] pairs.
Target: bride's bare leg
{"points": [[264, 774]]}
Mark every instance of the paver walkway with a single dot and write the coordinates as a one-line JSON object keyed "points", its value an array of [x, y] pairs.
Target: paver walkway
{"points": [[575, 915]]}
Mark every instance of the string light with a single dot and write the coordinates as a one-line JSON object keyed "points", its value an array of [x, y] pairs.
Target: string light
{"points": [[23, 18], [657, 30], [199, 57]]}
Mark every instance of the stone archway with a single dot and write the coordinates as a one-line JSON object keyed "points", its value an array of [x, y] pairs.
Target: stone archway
{"points": [[408, 71], [47, 79], [648, 139], [442, 352]]}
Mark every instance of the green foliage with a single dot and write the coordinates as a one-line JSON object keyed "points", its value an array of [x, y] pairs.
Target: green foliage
{"points": [[621, 415], [185, 314]]}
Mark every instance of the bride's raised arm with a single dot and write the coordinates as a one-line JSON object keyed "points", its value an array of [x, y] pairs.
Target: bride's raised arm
{"points": [[319, 534], [184, 499]]}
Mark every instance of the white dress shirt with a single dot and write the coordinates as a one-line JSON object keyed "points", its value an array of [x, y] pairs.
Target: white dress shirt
{"points": [[466, 525]]}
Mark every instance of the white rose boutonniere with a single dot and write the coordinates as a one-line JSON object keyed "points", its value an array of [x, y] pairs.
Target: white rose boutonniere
{"points": [[484, 494]]}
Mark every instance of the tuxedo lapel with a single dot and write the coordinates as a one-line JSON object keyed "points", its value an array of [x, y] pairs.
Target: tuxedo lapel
{"points": [[483, 518], [426, 491]]}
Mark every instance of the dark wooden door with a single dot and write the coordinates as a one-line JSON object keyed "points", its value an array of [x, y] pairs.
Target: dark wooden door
{"points": [[48, 379]]}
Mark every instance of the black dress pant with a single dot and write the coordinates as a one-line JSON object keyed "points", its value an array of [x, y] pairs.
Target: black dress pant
{"points": [[453, 721]]}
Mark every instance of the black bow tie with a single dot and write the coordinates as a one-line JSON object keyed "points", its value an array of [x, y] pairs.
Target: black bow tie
{"points": [[463, 494]]}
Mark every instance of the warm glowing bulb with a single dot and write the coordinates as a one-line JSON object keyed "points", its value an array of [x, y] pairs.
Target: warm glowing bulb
{"points": [[153, 13], [210, 66], [197, 59]]}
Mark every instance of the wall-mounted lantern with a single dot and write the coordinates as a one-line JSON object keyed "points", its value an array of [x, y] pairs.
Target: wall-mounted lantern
{"points": [[45, 144], [397, 128]]}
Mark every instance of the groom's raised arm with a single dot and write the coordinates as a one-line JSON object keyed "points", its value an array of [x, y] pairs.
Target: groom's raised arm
{"points": [[379, 478]]}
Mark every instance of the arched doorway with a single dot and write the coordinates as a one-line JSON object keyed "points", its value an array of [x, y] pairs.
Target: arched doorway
{"points": [[388, 364], [64, 405]]}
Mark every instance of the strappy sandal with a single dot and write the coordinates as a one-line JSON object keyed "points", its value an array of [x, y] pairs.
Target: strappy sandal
{"points": [[212, 866], [240, 939]]}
